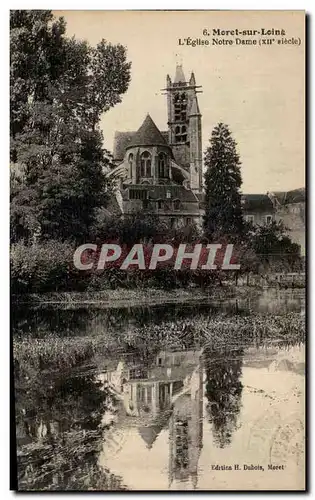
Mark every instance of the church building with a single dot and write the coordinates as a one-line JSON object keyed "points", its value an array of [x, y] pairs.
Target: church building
{"points": [[160, 172]]}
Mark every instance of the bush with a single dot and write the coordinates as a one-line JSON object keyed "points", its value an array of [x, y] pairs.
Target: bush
{"points": [[31, 356], [111, 279], [165, 278], [48, 267], [41, 268]]}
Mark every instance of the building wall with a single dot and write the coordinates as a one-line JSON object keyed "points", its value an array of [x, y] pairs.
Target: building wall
{"points": [[195, 153], [293, 217], [260, 217], [136, 152], [181, 154]]}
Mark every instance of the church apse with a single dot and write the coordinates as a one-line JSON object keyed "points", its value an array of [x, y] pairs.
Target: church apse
{"points": [[160, 172]]}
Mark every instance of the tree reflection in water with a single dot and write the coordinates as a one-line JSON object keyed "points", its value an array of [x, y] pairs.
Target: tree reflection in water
{"points": [[59, 435], [223, 391]]}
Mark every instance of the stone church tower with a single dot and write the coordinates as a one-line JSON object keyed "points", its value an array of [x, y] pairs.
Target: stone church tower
{"points": [[184, 122], [160, 171]]}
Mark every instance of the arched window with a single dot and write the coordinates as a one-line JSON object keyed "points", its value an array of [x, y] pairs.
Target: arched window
{"points": [[177, 107], [181, 133], [177, 133], [180, 107], [162, 165], [159, 204], [130, 162], [183, 107], [176, 204], [145, 164]]}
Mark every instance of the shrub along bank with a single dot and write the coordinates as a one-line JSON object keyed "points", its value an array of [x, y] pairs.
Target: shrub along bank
{"points": [[48, 267]]}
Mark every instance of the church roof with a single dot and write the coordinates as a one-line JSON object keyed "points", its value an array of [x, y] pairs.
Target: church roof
{"points": [[179, 74], [149, 434], [148, 135], [192, 80], [123, 140]]}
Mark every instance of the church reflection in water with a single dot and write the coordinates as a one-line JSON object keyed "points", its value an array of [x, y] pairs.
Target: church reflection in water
{"points": [[166, 394], [171, 393]]}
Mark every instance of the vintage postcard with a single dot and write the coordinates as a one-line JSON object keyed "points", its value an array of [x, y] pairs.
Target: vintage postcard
{"points": [[157, 163]]}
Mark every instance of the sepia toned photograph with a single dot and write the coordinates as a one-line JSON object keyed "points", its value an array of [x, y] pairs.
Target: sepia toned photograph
{"points": [[157, 250]]}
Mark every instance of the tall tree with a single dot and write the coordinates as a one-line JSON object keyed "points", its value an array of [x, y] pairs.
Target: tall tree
{"points": [[223, 212], [59, 88]]}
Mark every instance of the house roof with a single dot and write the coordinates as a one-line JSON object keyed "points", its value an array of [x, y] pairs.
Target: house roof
{"points": [[287, 197], [257, 202], [148, 135]]}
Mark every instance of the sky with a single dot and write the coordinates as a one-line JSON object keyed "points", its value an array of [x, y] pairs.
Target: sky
{"points": [[258, 91]]}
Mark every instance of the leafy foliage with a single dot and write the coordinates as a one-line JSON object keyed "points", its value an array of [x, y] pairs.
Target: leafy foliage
{"points": [[40, 268], [274, 249], [223, 391], [130, 229], [60, 87]]}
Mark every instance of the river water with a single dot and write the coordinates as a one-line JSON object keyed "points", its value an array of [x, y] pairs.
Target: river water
{"points": [[195, 415]]}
